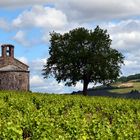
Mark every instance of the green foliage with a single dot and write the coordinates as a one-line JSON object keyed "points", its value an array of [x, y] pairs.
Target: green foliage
{"points": [[83, 54], [65, 117]]}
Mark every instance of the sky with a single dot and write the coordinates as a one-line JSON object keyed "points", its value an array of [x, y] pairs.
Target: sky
{"points": [[27, 23]]}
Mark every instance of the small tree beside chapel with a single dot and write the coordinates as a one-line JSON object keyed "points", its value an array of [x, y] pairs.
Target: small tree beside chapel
{"points": [[83, 55]]}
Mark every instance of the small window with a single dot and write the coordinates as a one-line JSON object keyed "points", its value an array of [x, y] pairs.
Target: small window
{"points": [[8, 51]]}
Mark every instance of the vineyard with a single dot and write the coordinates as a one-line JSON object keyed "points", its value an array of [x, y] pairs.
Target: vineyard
{"points": [[32, 116]]}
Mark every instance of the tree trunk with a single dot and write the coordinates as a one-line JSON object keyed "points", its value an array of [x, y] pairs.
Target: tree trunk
{"points": [[85, 87]]}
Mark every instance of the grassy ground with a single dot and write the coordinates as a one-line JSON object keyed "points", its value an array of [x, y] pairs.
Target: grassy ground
{"points": [[136, 86], [118, 90]]}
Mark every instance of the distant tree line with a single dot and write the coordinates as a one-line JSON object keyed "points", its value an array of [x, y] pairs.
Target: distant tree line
{"points": [[128, 78]]}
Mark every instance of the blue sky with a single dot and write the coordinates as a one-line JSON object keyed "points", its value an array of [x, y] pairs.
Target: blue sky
{"points": [[27, 23]]}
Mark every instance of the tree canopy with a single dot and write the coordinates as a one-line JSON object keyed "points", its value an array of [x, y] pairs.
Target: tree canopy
{"points": [[83, 55]]}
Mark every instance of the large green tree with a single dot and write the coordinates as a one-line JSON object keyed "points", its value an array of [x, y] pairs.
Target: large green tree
{"points": [[83, 55]]}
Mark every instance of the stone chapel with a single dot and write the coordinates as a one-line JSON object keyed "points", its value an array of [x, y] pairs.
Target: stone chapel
{"points": [[14, 75]]}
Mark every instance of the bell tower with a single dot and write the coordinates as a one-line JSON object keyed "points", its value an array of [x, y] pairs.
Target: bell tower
{"points": [[7, 50]]}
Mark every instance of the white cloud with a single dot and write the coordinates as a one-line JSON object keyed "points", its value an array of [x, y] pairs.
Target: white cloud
{"points": [[78, 11], [125, 35], [127, 41], [39, 84], [46, 85], [23, 59], [22, 3], [130, 63], [87, 10], [84, 10], [4, 25], [36, 80], [41, 17], [46, 37], [132, 66], [125, 38], [25, 38], [20, 37], [37, 64], [127, 25]]}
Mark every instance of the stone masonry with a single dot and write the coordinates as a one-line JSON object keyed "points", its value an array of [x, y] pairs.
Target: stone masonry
{"points": [[14, 75]]}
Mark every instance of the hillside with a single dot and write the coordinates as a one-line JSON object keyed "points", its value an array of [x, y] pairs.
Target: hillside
{"points": [[35, 116], [130, 89], [125, 86], [135, 77]]}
